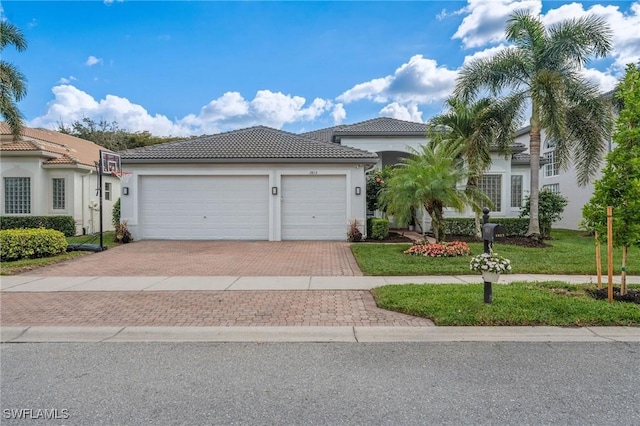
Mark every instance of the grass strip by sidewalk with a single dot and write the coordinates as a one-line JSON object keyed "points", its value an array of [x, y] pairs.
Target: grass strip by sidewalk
{"points": [[551, 303], [572, 253], [24, 265]]}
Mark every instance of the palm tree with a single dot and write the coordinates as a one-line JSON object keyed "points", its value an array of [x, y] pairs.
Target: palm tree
{"points": [[12, 82], [542, 69], [429, 178], [479, 127]]}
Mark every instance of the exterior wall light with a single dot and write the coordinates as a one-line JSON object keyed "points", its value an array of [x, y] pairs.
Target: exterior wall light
{"points": [[125, 190], [358, 190], [274, 190]]}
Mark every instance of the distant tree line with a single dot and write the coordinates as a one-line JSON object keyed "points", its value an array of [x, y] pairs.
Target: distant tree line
{"points": [[110, 135]]}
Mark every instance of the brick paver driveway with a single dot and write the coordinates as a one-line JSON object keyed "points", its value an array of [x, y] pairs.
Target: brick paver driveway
{"points": [[200, 308], [209, 258]]}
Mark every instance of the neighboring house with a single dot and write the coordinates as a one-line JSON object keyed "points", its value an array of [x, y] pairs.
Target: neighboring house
{"points": [[504, 183], [563, 182], [250, 184], [51, 173]]}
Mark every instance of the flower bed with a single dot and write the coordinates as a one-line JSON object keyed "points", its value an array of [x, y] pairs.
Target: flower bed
{"points": [[452, 249]]}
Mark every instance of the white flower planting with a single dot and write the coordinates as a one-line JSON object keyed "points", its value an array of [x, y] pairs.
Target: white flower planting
{"points": [[490, 262]]}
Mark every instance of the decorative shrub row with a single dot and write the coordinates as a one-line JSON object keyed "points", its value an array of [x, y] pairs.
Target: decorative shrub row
{"points": [[452, 249], [379, 229], [515, 227], [28, 243], [64, 224]]}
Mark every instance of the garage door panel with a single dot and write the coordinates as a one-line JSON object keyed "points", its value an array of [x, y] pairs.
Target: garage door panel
{"points": [[205, 207], [314, 207]]}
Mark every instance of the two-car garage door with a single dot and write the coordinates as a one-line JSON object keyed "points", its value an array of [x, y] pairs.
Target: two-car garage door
{"points": [[237, 207], [204, 207]]}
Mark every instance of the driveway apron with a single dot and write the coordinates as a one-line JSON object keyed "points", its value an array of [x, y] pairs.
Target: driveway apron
{"points": [[213, 258]]}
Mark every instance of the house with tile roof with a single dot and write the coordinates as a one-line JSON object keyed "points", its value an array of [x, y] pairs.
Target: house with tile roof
{"points": [[257, 183], [505, 183], [50, 173]]}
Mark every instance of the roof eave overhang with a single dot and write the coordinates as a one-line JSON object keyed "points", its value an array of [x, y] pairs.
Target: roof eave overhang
{"points": [[422, 134], [249, 160], [68, 166], [29, 153]]}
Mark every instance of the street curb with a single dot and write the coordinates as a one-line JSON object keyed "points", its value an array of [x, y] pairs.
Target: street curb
{"points": [[345, 334]]}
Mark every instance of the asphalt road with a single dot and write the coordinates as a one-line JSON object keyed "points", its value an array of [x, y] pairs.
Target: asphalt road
{"points": [[338, 383]]}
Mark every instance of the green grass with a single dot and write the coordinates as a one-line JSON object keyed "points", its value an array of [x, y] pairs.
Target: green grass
{"points": [[572, 253], [525, 304], [24, 265]]}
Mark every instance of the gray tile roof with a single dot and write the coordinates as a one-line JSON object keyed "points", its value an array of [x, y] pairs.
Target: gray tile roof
{"points": [[258, 143], [325, 134], [523, 158], [383, 126]]}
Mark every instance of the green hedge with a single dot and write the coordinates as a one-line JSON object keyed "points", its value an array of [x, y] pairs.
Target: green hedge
{"points": [[515, 227], [64, 224], [379, 229], [27, 243]]}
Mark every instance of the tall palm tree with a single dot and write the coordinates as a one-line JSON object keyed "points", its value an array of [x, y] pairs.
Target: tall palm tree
{"points": [[13, 84], [429, 178], [479, 126], [543, 67]]}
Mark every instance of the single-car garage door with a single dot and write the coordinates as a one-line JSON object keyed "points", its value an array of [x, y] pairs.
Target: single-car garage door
{"points": [[204, 207], [314, 207]]}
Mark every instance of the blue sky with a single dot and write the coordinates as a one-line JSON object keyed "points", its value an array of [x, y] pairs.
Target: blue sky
{"points": [[182, 68]]}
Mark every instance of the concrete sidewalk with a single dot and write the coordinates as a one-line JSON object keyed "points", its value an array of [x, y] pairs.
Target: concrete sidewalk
{"points": [[26, 283], [317, 334]]}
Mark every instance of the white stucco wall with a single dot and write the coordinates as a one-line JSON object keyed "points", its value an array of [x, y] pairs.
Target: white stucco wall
{"points": [[80, 188], [576, 195], [354, 173]]}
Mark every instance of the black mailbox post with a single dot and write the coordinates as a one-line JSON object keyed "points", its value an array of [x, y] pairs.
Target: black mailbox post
{"points": [[490, 232]]}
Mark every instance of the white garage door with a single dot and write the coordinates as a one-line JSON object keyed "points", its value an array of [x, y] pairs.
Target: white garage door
{"points": [[314, 208], [204, 207]]}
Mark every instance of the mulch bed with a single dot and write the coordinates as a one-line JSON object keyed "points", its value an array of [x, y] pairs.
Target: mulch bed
{"points": [[632, 296], [396, 237], [515, 241], [393, 237]]}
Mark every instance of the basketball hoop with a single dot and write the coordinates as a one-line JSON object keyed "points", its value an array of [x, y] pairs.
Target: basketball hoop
{"points": [[123, 176]]}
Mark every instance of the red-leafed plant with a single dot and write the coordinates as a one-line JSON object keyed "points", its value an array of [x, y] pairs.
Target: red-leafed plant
{"points": [[452, 249]]}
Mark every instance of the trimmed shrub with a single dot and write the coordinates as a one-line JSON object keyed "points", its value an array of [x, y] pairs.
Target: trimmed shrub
{"points": [[550, 209], [28, 243], [64, 224], [459, 226], [369, 226], [115, 214], [379, 229], [515, 227]]}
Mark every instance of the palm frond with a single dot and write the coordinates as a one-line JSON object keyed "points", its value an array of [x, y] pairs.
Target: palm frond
{"points": [[579, 39], [11, 35]]}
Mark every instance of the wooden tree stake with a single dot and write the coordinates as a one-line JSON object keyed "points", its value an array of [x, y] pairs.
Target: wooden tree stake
{"points": [[610, 253], [598, 262], [623, 275]]}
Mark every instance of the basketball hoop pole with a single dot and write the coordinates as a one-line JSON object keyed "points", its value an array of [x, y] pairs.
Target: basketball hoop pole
{"points": [[100, 186]]}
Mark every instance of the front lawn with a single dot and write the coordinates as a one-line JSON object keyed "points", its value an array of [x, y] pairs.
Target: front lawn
{"points": [[518, 304], [25, 265], [572, 253]]}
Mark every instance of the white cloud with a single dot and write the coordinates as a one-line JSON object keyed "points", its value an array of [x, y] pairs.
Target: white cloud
{"points": [[486, 20], [420, 80], [92, 60], [605, 80], [408, 112], [486, 53], [65, 80], [339, 113], [229, 111], [625, 27]]}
